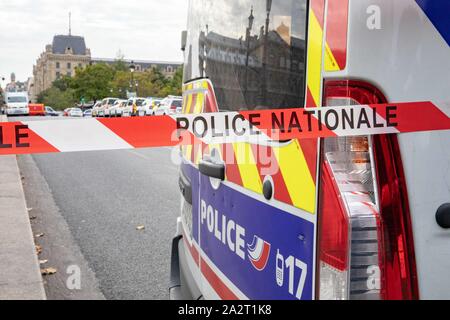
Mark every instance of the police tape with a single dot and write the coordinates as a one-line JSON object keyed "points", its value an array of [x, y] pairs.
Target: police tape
{"points": [[95, 134]]}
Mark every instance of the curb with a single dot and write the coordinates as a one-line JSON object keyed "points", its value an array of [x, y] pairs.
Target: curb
{"points": [[20, 277]]}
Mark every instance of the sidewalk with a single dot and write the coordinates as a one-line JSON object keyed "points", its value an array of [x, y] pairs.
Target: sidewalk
{"points": [[20, 276]]}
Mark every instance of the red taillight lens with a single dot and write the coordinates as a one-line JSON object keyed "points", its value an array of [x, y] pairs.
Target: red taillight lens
{"points": [[358, 91], [365, 243], [399, 272], [334, 239]]}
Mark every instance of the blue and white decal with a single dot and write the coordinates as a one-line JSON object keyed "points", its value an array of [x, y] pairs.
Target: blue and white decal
{"points": [[438, 12], [267, 253]]}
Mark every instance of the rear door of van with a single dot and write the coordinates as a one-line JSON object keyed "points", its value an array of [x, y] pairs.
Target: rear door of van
{"points": [[401, 49]]}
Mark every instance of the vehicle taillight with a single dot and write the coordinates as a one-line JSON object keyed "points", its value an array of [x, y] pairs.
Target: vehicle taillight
{"points": [[365, 248]]}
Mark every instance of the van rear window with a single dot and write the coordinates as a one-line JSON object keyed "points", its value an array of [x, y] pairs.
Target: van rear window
{"points": [[253, 51]]}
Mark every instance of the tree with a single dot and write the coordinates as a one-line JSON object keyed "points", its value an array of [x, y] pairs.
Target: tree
{"points": [[93, 82], [177, 82], [57, 98], [121, 84], [98, 81], [63, 83]]}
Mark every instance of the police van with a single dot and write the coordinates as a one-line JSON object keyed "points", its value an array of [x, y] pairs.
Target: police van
{"points": [[362, 217], [16, 103]]}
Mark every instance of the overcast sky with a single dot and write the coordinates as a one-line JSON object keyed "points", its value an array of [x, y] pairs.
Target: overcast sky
{"points": [[141, 29]]}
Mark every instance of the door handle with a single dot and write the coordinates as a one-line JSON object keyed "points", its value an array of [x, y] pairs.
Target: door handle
{"points": [[211, 169]]}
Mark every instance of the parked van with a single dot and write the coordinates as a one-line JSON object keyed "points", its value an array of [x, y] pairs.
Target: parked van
{"points": [[336, 218], [36, 109], [16, 103], [131, 109]]}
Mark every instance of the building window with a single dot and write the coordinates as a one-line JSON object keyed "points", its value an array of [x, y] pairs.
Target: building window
{"points": [[169, 69], [58, 74], [80, 65], [69, 74], [57, 65], [69, 65]]}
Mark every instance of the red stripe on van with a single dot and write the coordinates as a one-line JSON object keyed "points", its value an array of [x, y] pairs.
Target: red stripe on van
{"points": [[265, 159], [218, 285], [318, 7], [337, 28], [232, 168]]}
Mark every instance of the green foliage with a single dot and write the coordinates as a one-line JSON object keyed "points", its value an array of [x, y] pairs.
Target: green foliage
{"points": [[57, 98], [98, 81], [93, 82], [63, 83], [120, 65]]}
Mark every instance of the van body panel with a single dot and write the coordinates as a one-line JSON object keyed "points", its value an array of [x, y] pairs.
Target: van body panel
{"points": [[400, 47]]}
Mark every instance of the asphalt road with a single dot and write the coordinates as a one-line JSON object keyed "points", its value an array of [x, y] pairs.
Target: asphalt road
{"points": [[89, 206]]}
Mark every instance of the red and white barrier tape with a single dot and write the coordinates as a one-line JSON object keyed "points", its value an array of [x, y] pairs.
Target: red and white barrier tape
{"points": [[69, 135]]}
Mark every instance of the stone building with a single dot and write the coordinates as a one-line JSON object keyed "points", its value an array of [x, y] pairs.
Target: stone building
{"points": [[59, 58], [168, 69], [68, 52], [16, 86]]}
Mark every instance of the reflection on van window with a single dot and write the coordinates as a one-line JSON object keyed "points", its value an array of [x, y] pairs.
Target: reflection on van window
{"points": [[252, 50]]}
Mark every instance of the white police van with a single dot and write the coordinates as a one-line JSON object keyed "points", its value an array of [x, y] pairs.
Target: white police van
{"points": [[16, 103], [338, 218]]}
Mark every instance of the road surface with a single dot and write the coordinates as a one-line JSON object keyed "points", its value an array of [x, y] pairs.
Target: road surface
{"points": [[89, 205]]}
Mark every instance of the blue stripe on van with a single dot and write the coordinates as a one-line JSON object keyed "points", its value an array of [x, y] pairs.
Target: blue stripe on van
{"points": [[438, 12]]}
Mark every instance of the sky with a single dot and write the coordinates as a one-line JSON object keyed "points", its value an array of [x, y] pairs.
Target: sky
{"points": [[140, 29]]}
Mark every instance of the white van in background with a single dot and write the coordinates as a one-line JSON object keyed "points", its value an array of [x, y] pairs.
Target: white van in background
{"points": [[16, 103]]}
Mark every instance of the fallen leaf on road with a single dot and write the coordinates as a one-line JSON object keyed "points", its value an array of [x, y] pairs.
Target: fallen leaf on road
{"points": [[140, 228], [38, 249], [43, 261], [33, 218], [39, 235], [48, 271]]}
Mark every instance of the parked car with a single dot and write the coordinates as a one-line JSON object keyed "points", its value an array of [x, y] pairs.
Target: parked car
{"points": [[132, 105], [66, 112], [116, 109], [75, 112], [106, 104], [170, 105], [87, 113], [147, 107], [49, 111], [95, 108]]}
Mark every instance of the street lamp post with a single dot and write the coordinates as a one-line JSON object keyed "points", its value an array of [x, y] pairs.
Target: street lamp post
{"points": [[132, 69], [1, 95]]}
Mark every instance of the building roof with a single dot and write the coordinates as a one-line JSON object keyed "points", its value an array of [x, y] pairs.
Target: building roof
{"points": [[61, 43], [143, 63]]}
